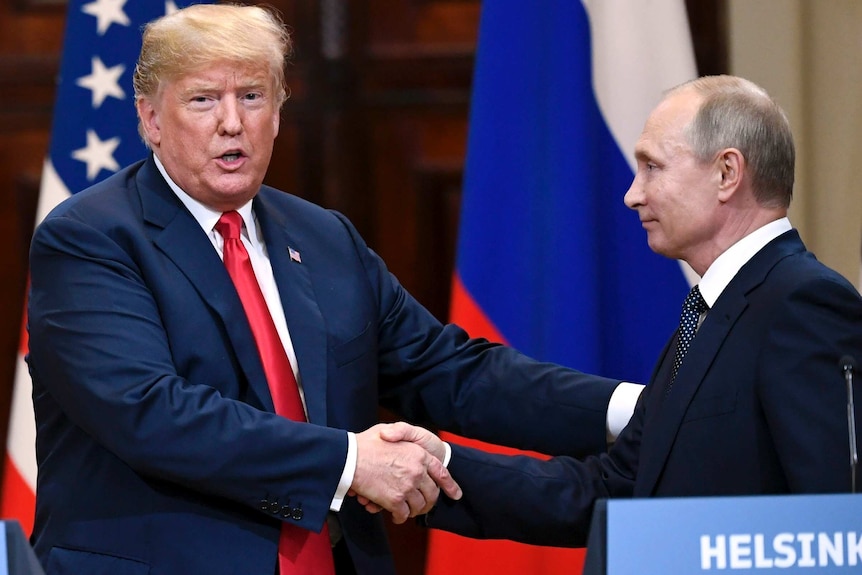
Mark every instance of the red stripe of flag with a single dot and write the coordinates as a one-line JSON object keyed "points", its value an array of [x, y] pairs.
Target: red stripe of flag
{"points": [[489, 556], [17, 499]]}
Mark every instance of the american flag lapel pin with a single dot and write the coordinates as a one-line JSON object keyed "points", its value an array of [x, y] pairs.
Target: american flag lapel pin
{"points": [[294, 255]]}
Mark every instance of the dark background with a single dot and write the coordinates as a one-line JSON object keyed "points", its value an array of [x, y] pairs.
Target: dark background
{"points": [[376, 127]]}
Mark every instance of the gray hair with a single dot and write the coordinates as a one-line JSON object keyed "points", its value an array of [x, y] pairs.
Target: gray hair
{"points": [[737, 113]]}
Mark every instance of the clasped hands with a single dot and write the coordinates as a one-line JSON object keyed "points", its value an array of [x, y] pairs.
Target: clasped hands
{"points": [[400, 468]]}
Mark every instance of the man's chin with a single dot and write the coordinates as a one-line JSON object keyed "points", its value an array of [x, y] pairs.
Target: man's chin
{"points": [[658, 246]]}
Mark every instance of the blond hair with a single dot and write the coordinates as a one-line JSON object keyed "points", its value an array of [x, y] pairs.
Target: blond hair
{"points": [[203, 34]]}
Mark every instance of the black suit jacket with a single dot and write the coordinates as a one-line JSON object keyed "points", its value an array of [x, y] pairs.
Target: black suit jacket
{"points": [[759, 406]]}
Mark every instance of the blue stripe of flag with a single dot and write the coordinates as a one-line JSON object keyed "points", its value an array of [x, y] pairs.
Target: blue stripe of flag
{"points": [[547, 247]]}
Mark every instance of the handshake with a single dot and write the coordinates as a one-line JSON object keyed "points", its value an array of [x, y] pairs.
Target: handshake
{"points": [[400, 468]]}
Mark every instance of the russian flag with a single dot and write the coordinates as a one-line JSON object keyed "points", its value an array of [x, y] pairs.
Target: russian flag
{"points": [[549, 259], [93, 134]]}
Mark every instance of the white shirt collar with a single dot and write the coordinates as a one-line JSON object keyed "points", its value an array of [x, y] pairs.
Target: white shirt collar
{"points": [[206, 216], [728, 264]]}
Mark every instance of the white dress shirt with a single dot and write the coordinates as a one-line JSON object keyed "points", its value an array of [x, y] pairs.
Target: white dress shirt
{"points": [[728, 264]]}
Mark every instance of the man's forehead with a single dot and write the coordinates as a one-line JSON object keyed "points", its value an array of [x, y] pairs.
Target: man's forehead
{"points": [[221, 71], [678, 107], [671, 116]]}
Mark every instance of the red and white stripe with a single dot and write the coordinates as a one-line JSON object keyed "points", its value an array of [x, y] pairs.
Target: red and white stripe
{"points": [[18, 492]]}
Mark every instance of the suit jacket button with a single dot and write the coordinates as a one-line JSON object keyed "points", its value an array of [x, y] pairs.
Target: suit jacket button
{"points": [[274, 507], [297, 514], [286, 511], [264, 505]]}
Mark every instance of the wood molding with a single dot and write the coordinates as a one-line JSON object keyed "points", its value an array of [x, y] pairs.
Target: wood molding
{"points": [[32, 5]]}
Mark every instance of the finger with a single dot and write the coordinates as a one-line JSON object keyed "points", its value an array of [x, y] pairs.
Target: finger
{"points": [[398, 431], [360, 498], [444, 480], [373, 508], [417, 502], [430, 495], [400, 512], [428, 488]]}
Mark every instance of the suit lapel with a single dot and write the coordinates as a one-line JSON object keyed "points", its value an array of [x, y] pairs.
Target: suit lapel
{"points": [[179, 236], [662, 425], [665, 414], [304, 319]]}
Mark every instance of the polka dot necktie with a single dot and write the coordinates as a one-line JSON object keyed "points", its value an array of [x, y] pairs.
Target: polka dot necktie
{"points": [[692, 307]]}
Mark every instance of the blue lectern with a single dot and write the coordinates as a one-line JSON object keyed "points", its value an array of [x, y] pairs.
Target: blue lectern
{"points": [[811, 534], [16, 555]]}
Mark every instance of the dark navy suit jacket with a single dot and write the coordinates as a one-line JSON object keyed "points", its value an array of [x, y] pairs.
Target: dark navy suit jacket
{"points": [[759, 406], [157, 445]]}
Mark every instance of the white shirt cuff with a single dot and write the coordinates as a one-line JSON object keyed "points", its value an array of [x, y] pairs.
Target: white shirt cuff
{"points": [[621, 407], [347, 475]]}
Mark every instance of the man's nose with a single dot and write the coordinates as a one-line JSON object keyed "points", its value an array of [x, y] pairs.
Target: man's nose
{"points": [[634, 195], [230, 117]]}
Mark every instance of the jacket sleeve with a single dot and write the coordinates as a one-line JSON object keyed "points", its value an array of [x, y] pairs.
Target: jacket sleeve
{"points": [[801, 385], [434, 374], [534, 500]]}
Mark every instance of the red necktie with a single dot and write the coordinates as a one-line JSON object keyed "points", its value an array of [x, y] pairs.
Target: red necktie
{"points": [[300, 551]]}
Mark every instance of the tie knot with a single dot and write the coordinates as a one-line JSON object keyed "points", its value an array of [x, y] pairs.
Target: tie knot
{"points": [[695, 302], [229, 225]]}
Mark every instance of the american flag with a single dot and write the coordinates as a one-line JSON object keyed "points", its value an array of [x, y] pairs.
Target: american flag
{"points": [[294, 255], [93, 134]]}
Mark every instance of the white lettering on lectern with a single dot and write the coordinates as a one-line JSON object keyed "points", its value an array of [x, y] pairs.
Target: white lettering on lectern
{"points": [[754, 550]]}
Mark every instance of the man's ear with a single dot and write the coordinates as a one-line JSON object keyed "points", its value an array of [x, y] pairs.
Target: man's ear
{"points": [[730, 164], [149, 119]]}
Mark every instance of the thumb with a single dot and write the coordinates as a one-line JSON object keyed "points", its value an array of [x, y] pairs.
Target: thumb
{"points": [[444, 480], [399, 431]]}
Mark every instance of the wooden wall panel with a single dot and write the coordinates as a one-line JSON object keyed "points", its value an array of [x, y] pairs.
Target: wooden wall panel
{"points": [[30, 39], [417, 66]]}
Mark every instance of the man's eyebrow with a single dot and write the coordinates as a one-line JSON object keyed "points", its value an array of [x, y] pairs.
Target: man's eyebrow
{"points": [[642, 155], [257, 83], [199, 87]]}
